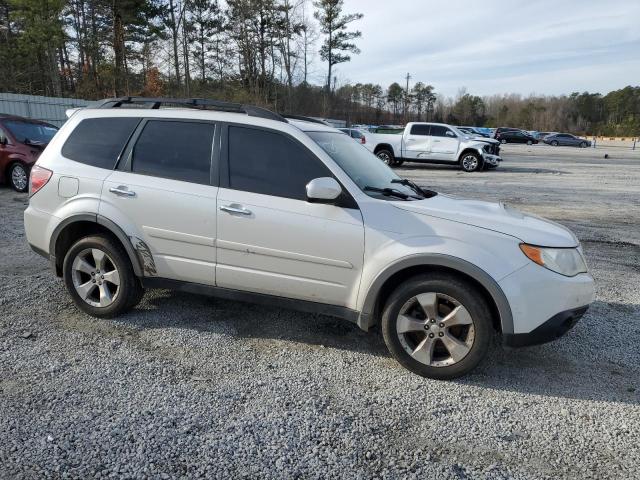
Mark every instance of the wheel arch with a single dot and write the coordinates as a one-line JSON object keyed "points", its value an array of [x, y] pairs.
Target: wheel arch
{"points": [[384, 146], [81, 225], [388, 279], [475, 150]]}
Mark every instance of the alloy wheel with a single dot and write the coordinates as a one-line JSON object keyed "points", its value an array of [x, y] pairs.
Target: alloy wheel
{"points": [[435, 329], [385, 157], [470, 163], [95, 277], [19, 177]]}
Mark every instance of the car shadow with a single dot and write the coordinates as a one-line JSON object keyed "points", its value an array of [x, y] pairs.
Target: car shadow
{"points": [[568, 367]]}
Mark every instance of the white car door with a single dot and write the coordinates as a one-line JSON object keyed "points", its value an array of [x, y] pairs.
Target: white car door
{"points": [[270, 239], [444, 143], [163, 197], [416, 142]]}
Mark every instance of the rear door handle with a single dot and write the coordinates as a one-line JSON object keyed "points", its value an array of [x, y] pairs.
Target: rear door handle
{"points": [[122, 191], [235, 208]]}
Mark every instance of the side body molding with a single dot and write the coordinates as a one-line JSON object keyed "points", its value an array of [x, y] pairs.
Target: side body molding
{"points": [[367, 315], [109, 225]]}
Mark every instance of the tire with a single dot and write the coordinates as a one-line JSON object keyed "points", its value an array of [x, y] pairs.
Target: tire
{"points": [[431, 357], [583, 145], [554, 143], [529, 142], [84, 269], [471, 162], [503, 141], [18, 175], [386, 156]]}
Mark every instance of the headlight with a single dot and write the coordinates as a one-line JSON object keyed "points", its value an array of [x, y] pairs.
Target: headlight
{"points": [[565, 261]]}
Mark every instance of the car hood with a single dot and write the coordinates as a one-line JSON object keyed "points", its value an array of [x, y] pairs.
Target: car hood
{"points": [[494, 216], [481, 139]]}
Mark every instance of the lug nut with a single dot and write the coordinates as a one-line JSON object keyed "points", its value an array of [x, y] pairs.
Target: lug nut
{"points": [[433, 320], [441, 334], [442, 325], [94, 280], [431, 335], [102, 276], [426, 327]]}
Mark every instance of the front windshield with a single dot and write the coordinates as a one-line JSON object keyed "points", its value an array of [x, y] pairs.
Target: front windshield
{"points": [[34, 132], [363, 167]]}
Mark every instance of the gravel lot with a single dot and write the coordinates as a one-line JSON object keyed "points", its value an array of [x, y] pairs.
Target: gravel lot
{"points": [[189, 386]]}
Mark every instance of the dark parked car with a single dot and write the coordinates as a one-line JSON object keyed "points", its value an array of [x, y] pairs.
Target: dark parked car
{"points": [[500, 130], [566, 139], [355, 134], [22, 140], [516, 136]]}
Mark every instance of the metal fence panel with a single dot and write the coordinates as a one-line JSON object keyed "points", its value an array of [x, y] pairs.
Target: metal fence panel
{"points": [[48, 109]]}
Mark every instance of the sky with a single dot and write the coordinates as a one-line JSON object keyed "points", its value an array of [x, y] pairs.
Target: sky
{"points": [[496, 47]]}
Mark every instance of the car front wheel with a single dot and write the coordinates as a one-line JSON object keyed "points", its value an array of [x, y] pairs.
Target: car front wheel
{"points": [[470, 162], [19, 177], [554, 143], [437, 327], [583, 145]]}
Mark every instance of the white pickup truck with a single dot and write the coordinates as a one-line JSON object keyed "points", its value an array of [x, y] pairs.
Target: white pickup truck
{"points": [[435, 143]]}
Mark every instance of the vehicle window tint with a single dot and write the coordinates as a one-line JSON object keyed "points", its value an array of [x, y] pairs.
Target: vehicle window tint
{"points": [[271, 164], [439, 131], [99, 141], [175, 150], [419, 130], [356, 134]]}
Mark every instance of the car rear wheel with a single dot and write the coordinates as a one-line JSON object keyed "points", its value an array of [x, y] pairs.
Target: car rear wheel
{"points": [[529, 142], [386, 156], [437, 327], [99, 277], [554, 143], [19, 177], [583, 145]]}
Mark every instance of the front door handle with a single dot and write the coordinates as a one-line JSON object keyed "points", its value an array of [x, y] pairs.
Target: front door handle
{"points": [[235, 208], [122, 191]]}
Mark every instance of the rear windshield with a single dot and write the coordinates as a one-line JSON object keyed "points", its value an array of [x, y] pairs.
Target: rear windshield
{"points": [[30, 132]]}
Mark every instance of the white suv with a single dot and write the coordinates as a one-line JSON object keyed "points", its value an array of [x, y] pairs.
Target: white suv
{"points": [[238, 202]]}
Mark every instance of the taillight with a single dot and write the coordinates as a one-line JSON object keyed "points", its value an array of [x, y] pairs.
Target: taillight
{"points": [[38, 179], [363, 140]]}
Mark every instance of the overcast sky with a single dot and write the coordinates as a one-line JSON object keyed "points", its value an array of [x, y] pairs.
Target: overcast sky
{"points": [[535, 46]]}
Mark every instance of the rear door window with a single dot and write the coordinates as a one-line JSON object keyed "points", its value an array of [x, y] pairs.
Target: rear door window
{"points": [[99, 141], [174, 149], [422, 130]]}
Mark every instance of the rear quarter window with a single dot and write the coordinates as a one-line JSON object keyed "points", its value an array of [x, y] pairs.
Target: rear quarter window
{"points": [[98, 141]]}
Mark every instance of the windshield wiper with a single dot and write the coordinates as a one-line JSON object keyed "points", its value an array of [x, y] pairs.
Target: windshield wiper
{"points": [[388, 192], [408, 183]]}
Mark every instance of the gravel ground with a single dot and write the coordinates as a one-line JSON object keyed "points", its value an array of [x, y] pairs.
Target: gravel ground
{"points": [[189, 386]]}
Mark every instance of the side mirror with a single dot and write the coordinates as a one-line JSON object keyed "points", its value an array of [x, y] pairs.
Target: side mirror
{"points": [[450, 134], [3, 140], [323, 190]]}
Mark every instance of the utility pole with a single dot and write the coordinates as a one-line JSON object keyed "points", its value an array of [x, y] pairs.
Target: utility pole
{"points": [[406, 98]]}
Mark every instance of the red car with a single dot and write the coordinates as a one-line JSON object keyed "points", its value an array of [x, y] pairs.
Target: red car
{"points": [[22, 140]]}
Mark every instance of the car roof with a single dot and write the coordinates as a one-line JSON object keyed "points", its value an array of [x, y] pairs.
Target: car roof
{"points": [[17, 118]]}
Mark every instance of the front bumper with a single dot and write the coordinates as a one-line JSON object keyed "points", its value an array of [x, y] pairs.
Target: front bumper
{"points": [[553, 328], [492, 160]]}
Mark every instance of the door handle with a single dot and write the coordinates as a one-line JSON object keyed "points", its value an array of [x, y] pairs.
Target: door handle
{"points": [[122, 191], [234, 208]]}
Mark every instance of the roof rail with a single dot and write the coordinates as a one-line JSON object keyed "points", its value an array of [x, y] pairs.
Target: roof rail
{"points": [[199, 103], [305, 119]]}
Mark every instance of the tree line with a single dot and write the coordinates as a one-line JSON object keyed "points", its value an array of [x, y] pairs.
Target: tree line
{"points": [[254, 51]]}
